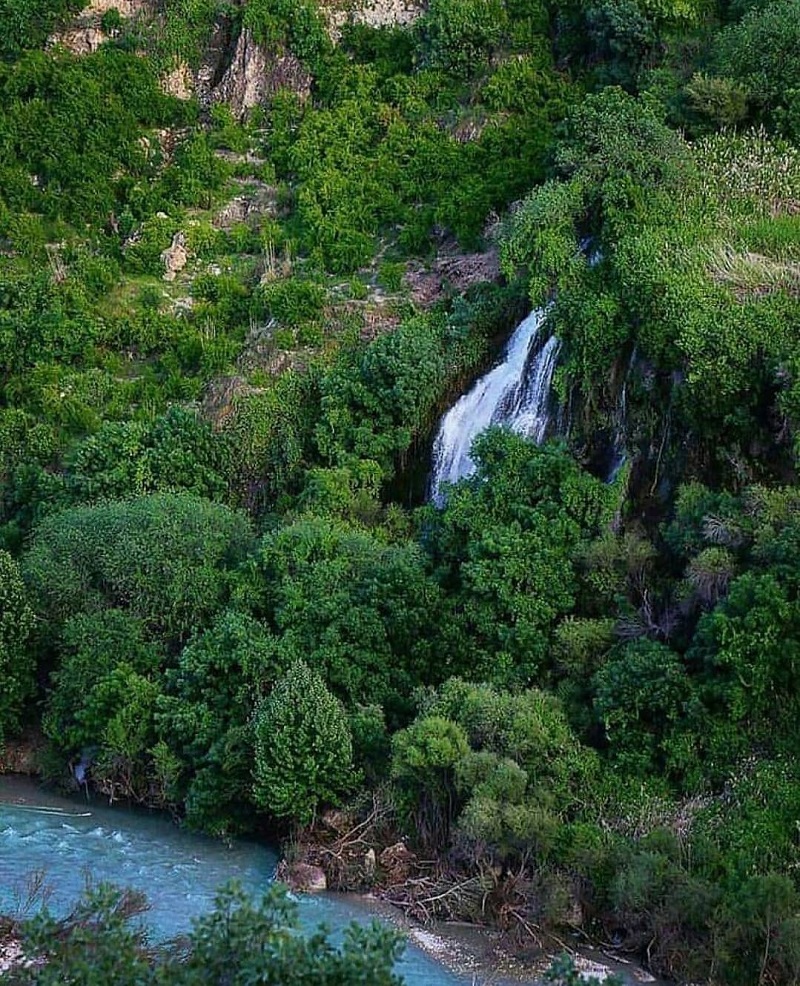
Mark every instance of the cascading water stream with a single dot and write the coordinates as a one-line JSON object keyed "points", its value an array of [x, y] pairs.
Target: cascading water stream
{"points": [[515, 394], [619, 450]]}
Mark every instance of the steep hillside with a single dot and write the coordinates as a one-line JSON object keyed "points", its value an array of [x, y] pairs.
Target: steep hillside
{"points": [[250, 254]]}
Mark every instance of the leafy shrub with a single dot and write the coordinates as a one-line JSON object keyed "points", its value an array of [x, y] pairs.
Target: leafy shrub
{"points": [[17, 664], [162, 557], [205, 718], [238, 939], [460, 35], [27, 23], [293, 302], [297, 24], [360, 612], [304, 749], [761, 53]]}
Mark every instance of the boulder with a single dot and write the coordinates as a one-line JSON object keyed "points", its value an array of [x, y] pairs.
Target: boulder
{"points": [[179, 82], [373, 13], [175, 257], [80, 40], [302, 878], [397, 860]]}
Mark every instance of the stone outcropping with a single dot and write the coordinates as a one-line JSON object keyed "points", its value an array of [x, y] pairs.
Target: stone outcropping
{"points": [[451, 273], [179, 82], [375, 13], [85, 34], [21, 756], [175, 257], [125, 8], [248, 208], [254, 76]]}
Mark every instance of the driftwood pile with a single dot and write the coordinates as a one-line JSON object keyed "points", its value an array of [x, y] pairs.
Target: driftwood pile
{"points": [[368, 856]]}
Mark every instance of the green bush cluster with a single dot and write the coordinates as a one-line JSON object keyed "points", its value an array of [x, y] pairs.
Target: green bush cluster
{"points": [[238, 941], [211, 573]]}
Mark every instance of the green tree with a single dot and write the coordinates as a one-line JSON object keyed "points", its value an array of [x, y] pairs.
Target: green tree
{"points": [[241, 941], [749, 650], [505, 547], [177, 451], [376, 401], [761, 54], [93, 647], [206, 718], [303, 748], [643, 697], [27, 23], [163, 557], [17, 664], [425, 757], [363, 613], [460, 35]]}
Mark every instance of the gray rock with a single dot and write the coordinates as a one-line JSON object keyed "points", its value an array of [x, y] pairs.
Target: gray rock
{"points": [[175, 257]]}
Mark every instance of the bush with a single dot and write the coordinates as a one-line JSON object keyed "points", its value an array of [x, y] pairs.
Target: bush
{"points": [[761, 53], [293, 302], [17, 664], [303, 748], [163, 557], [240, 940], [460, 35], [27, 23]]}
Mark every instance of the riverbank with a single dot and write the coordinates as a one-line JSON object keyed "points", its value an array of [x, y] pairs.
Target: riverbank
{"points": [[470, 953], [470, 950]]}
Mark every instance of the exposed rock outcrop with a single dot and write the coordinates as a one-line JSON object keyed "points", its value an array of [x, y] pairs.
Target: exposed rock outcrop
{"points": [[247, 208], [85, 34], [21, 756], [80, 40], [125, 8], [453, 273], [374, 13], [179, 82], [175, 257], [253, 76]]}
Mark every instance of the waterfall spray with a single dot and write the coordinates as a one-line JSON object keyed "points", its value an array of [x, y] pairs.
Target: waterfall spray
{"points": [[516, 394]]}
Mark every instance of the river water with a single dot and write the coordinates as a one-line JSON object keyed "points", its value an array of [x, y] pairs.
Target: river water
{"points": [[70, 842], [179, 872]]}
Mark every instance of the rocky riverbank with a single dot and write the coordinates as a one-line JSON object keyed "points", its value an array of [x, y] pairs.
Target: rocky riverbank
{"points": [[484, 954], [480, 923]]}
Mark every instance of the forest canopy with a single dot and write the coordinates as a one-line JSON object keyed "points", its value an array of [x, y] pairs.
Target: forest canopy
{"points": [[250, 254]]}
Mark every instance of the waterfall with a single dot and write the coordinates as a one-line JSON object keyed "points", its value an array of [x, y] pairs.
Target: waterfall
{"points": [[515, 394], [618, 451]]}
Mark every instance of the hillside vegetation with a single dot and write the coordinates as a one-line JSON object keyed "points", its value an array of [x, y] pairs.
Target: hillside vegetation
{"points": [[249, 253]]}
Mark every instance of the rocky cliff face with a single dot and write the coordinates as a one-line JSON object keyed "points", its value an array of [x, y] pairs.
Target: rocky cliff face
{"points": [[375, 13], [235, 69], [254, 75], [85, 34]]}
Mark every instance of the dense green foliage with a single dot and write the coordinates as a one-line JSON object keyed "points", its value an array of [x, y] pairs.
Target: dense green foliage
{"points": [[217, 578], [26, 23], [16, 626], [303, 747], [239, 942]]}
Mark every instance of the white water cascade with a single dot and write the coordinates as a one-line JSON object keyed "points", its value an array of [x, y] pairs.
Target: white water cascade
{"points": [[619, 451], [515, 394]]}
